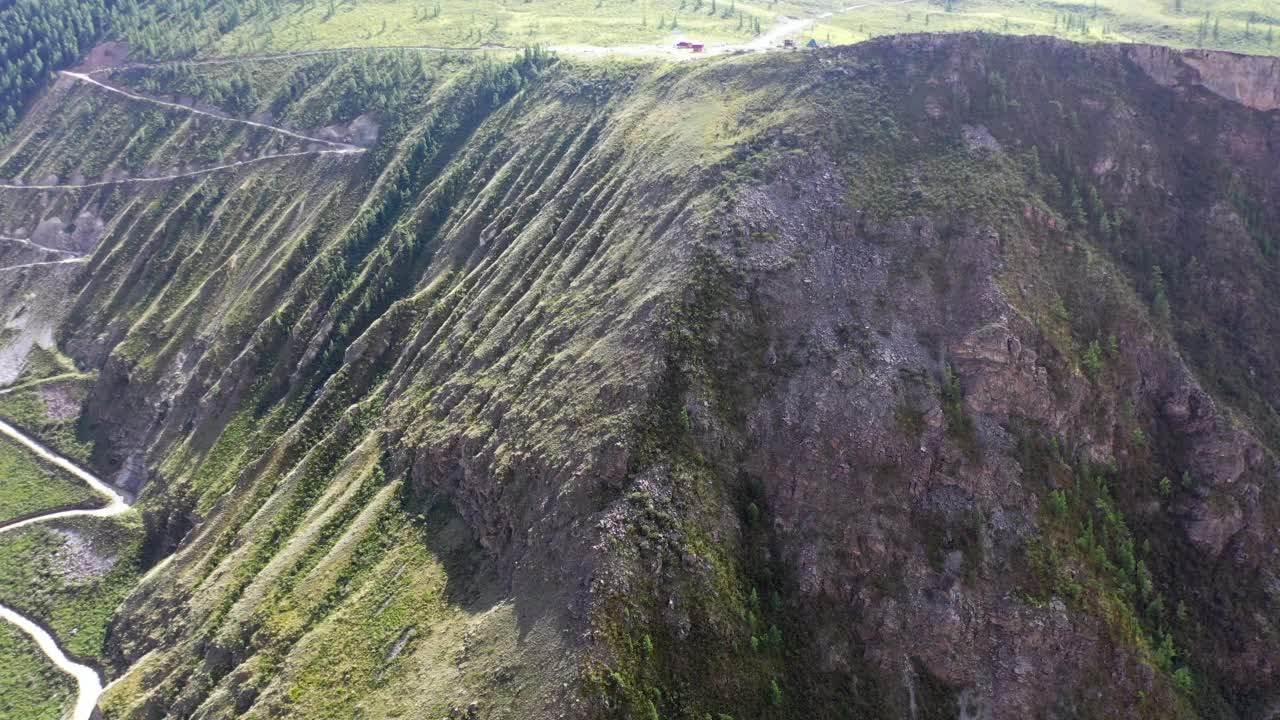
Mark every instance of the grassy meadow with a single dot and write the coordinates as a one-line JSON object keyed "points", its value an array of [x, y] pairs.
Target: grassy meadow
{"points": [[476, 23], [29, 486], [1238, 25], [31, 688], [49, 410], [70, 575], [1248, 26]]}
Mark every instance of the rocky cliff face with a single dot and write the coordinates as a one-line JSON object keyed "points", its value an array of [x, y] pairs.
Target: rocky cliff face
{"points": [[1252, 81], [932, 377], [919, 353]]}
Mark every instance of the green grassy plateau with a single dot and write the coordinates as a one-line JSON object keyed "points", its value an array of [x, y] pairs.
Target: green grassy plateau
{"points": [[1248, 26], [247, 29]]}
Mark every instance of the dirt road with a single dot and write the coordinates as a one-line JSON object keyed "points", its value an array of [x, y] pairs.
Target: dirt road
{"points": [[331, 147], [88, 682]]}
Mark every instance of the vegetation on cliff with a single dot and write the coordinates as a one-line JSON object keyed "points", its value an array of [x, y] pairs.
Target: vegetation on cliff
{"points": [[628, 389]]}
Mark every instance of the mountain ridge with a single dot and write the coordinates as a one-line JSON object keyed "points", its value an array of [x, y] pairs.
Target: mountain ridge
{"points": [[699, 388]]}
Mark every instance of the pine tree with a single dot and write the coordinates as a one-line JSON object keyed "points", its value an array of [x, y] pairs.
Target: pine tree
{"points": [[1159, 293]]}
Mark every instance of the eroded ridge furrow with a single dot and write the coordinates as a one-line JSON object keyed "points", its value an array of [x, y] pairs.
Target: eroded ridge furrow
{"points": [[179, 176], [553, 170]]}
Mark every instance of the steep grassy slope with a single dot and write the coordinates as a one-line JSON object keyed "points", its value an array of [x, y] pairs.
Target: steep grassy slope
{"points": [[648, 391]]}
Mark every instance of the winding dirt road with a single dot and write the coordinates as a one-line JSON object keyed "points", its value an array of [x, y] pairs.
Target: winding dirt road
{"points": [[337, 146], [88, 682], [37, 246], [766, 42], [68, 261], [332, 147]]}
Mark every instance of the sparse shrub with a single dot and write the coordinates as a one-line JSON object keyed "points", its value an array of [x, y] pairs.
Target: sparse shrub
{"points": [[1165, 653], [1183, 681], [1078, 217], [1139, 437], [1058, 502], [1074, 590], [1092, 360], [1166, 486], [911, 422], [774, 637], [1100, 554], [775, 693], [1159, 293], [958, 423]]}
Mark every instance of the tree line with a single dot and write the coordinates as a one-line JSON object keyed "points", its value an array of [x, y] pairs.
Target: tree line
{"points": [[38, 37]]}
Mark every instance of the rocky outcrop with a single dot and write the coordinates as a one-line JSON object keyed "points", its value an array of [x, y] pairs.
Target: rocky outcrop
{"points": [[1001, 377], [1251, 80]]}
